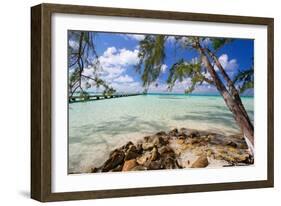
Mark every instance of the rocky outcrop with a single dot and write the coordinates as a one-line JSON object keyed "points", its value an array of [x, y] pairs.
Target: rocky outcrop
{"points": [[183, 148], [201, 162], [129, 165]]}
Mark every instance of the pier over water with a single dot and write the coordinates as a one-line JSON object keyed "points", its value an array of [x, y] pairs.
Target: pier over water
{"points": [[95, 97]]}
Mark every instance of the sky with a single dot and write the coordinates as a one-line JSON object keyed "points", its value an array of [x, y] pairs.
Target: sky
{"points": [[118, 54]]}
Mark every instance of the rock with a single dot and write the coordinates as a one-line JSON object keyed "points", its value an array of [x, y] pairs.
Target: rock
{"points": [[204, 133], [217, 139], [128, 145], [165, 149], [249, 160], [182, 137], [146, 138], [148, 157], [114, 151], [173, 132], [183, 133], [209, 152], [117, 169], [131, 153], [141, 160], [201, 162], [154, 140], [161, 133], [193, 141], [94, 170], [147, 145], [139, 168], [202, 142], [139, 148], [115, 159], [236, 141], [194, 134], [155, 165], [129, 164], [169, 163], [163, 140], [154, 154], [180, 141], [178, 164]]}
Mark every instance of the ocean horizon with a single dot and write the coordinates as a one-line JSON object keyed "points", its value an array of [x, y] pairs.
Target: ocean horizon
{"points": [[168, 93]]}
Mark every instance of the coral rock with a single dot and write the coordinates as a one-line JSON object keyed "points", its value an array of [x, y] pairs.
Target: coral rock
{"points": [[201, 162]]}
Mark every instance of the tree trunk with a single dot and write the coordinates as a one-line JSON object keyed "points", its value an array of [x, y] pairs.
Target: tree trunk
{"points": [[240, 117], [232, 88]]}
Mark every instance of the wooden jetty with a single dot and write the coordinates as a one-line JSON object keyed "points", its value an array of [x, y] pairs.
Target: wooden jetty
{"points": [[74, 99]]}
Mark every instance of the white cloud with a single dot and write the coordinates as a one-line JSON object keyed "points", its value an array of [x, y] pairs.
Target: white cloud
{"points": [[181, 41], [137, 37], [179, 87], [171, 39], [109, 51], [158, 87], [124, 79], [127, 87], [206, 42], [205, 89], [207, 75], [88, 72], [73, 44], [122, 57], [182, 86], [164, 67], [114, 64], [228, 65], [111, 72]]}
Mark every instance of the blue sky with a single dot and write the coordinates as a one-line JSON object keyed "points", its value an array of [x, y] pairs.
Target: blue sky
{"points": [[118, 53]]}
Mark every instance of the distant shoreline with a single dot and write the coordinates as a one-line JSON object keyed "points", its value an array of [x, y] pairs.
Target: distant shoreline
{"points": [[176, 94], [207, 95]]}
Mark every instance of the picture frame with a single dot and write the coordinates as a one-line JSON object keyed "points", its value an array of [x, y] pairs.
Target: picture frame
{"points": [[41, 101]]}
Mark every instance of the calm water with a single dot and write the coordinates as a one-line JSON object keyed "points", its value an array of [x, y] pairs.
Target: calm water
{"points": [[97, 127]]}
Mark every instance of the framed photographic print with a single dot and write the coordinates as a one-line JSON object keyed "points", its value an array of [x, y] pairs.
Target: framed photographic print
{"points": [[132, 102]]}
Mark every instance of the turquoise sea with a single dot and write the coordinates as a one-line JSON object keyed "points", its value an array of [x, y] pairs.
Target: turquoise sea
{"points": [[97, 127]]}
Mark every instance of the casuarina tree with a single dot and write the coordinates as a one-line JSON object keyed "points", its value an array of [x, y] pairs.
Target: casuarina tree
{"points": [[205, 68], [82, 55]]}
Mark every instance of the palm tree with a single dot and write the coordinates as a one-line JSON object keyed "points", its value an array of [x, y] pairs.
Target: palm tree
{"points": [[200, 70]]}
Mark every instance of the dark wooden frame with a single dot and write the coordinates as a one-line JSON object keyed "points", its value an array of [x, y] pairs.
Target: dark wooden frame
{"points": [[41, 101]]}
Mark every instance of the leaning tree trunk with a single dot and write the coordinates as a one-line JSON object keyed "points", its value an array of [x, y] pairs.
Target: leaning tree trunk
{"points": [[233, 91], [240, 117]]}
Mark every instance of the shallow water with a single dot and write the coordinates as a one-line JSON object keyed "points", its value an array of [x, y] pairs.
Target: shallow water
{"points": [[97, 127]]}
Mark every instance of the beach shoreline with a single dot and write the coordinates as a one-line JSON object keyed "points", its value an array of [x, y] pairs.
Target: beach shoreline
{"points": [[177, 149]]}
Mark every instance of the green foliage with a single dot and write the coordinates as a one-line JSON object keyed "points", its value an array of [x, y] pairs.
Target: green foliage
{"points": [[151, 55], [217, 43], [245, 79], [109, 91], [74, 77], [182, 70], [82, 54], [84, 95]]}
